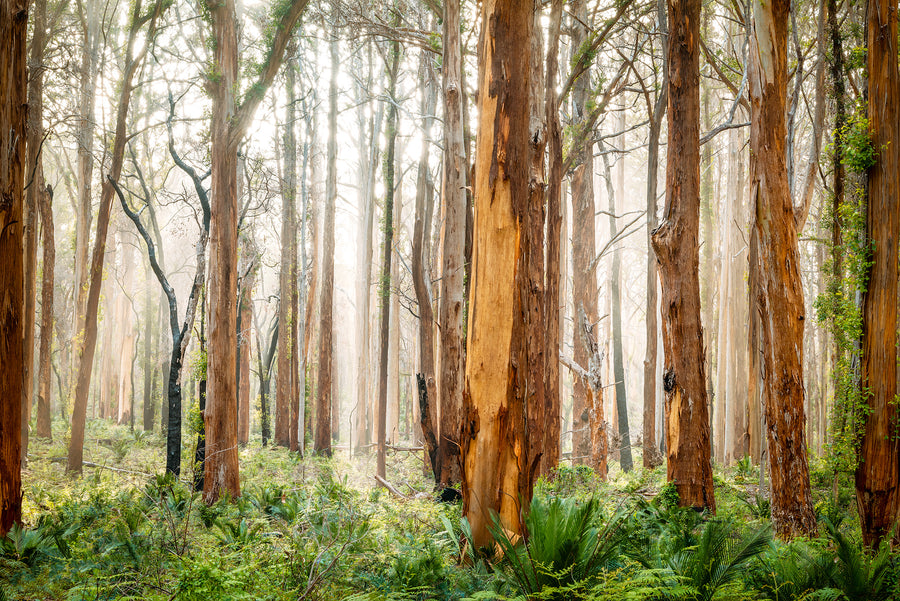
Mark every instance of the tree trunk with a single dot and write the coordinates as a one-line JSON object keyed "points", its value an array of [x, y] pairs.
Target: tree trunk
{"points": [[393, 383], [676, 243], [88, 345], [286, 321], [651, 456], [384, 288], [451, 358], [420, 272], [776, 271], [552, 293], [584, 280], [326, 308], [89, 15], [41, 199], [13, 166], [615, 294], [504, 393], [245, 317], [877, 476], [229, 124], [368, 157]]}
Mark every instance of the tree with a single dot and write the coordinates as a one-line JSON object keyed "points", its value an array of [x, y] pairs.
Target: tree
{"points": [[584, 280], [286, 320], [180, 334], [878, 473], [230, 120], [326, 307], [504, 359], [13, 105], [40, 198], [676, 243], [552, 292], [384, 287], [777, 295], [88, 345], [421, 275], [451, 358]]}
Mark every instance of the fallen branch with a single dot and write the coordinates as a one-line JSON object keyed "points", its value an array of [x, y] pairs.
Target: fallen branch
{"points": [[391, 488]]}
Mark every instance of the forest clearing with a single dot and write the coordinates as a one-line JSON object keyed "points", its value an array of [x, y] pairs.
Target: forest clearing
{"points": [[449, 299]]}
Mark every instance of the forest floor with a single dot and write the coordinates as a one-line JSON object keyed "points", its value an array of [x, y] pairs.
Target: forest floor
{"points": [[321, 529]]}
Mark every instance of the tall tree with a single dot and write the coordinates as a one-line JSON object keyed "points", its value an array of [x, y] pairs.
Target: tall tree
{"points": [[777, 295], [326, 307], [584, 280], [504, 362], [451, 359], [552, 293], [230, 120], [181, 334], [656, 112], [39, 198], [384, 288], [89, 20], [13, 108], [286, 321], [369, 128], [88, 344], [878, 473], [676, 243], [420, 271]]}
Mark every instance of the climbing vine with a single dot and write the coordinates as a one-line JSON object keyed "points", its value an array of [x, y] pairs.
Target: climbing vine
{"points": [[839, 309]]}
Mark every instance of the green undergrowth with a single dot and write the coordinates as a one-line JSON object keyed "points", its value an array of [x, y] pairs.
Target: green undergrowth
{"points": [[310, 528]]}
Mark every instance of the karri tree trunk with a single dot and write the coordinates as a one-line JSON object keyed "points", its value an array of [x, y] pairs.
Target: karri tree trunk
{"points": [[230, 120], [420, 271], [676, 243], [651, 455], [552, 293], [40, 198], [13, 108], [89, 17], [584, 278], [368, 157], [504, 360], [326, 308], [384, 287], [775, 273], [286, 320], [615, 297], [245, 317], [451, 359], [89, 342], [878, 473]]}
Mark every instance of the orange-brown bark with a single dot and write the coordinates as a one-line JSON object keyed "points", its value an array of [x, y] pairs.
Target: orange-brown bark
{"points": [[13, 29], [775, 274], [505, 362], [878, 473], [676, 243]]}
